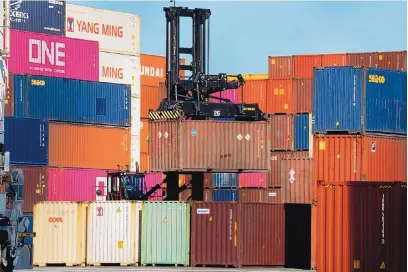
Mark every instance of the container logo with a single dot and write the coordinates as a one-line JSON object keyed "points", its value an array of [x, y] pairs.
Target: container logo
{"points": [[70, 24], [151, 71], [376, 79], [15, 14], [203, 211], [291, 176], [94, 28], [99, 211], [37, 82], [55, 220], [194, 132], [373, 148], [112, 72], [40, 52]]}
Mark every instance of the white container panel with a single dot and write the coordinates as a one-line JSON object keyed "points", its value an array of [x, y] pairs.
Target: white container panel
{"points": [[116, 32], [134, 116], [134, 152], [113, 232]]}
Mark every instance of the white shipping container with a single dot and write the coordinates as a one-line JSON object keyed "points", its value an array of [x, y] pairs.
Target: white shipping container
{"points": [[116, 32], [135, 116], [113, 232], [60, 229], [134, 152]]}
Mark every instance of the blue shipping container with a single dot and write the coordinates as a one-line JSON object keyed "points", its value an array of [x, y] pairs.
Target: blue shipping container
{"points": [[46, 17], [225, 195], [301, 132], [71, 100], [225, 180], [359, 100], [27, 140]]}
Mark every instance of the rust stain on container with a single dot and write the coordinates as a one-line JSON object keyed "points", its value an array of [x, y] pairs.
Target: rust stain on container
{"points": [[144, 136], [334, 60], [303, 95], [282, 131], [202, 145], [280, 67], [274, 174], [280, 96], [88, 146], [340, 158], [260, 195], [304, 65], [296, 181], [392, 60], [254, 92], [9, 96]]}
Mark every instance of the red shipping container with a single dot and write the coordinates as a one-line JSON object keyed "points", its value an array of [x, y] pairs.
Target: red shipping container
{"points": [[280, 67], [260, 195], [343, 158], [257, 180], [304, 65], [280, 96], [296, 177], [255, 91], [330, 60], [303, 95], [207, 195], [281, 131], [185, 195], [50, 55], [208, 180], [274, 174], [363, 59], [392, 60]]}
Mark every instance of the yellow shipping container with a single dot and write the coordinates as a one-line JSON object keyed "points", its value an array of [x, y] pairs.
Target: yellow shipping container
{"points": [[60, 229], [252, 77]]}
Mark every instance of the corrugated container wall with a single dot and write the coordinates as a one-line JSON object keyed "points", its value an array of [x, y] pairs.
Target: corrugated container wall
{"points": [[134, 151], [179, 145], [33, 53], [24, 15], [281, 132], [303, 95], [231, 94], [60, 229], [262, 239], [254, 91], [378, 97], [185, 195], [207, 219], [260, 195], [330, 60], [392, 60], [363, 59], [225, 195], [280, 96], [165, 233], [86, 146], [208, 180], [152, 179], [113, 233], [71, 100], [144, 162], [31, 150], [149, 97], [257, 180], [280, 67], [274, 174], [304, 65], [115, 32], [296, 177], [341, 158], [227, 180], [207, 195], [144, 135], [302, 132]]}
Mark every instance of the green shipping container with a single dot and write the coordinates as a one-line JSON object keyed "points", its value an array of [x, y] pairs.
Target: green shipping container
{"points": [[165, 233]]}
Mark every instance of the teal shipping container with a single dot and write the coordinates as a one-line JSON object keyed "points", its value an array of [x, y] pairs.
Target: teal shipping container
{"points": [[165, 233]]}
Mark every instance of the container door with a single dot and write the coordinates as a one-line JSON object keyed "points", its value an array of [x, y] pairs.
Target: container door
{"points": [[101, 185]]}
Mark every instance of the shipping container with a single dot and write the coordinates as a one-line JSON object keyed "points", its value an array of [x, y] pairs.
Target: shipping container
{"points": [[185, 179], [254, 91], [231, 94], [9, 95], [152, 179], [257, 180], [355, 228], [183, 145], [214, 234], [207, 195], [144, 162], [153, 70], [260, 195], [70, 100], [87, 146], [134, 152], [281, 131], [304, 65], [230, 195], [144, 135], [162, 91], [341, 158], [208, 180], [254, 76], [363, 59], [149, 100], [296, 178], [60, 229], [280, 96], [274, 174], [135, 117], [330, 60], [25, 150], [262, 239], [392, 60], [303, 132], [366, 100], [113, 233], [47, 17], [280, 67], [33, 53], [225, 180], [115, 32], [165, 233], [185, 195], [303, 95]]}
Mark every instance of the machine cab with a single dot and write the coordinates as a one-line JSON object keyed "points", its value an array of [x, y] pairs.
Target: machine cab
{"points": [[125, 186]]}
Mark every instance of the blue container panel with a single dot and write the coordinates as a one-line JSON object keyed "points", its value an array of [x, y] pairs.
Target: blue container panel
{"points": [[46, 17], [26, 140], [225, 180], [71, 100], [225, 195], [386, 101], [337, 99], [302, 132], [29, 240]]}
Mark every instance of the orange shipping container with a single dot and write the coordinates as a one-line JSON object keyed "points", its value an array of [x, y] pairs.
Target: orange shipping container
{"points": [[279, 95], [344, 158], [280, 67], [153, 70], [88, 146], [296, 180], [144, 136], [149, 100], [254, 92], [334, 60], [144, 162], [304, 65], [303, 95]]}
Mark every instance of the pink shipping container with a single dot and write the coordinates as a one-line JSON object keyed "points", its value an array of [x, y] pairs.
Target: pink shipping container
{"points": [[152, 179], [257, 180], [228, 94], [281, 131], [49, 55]]}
